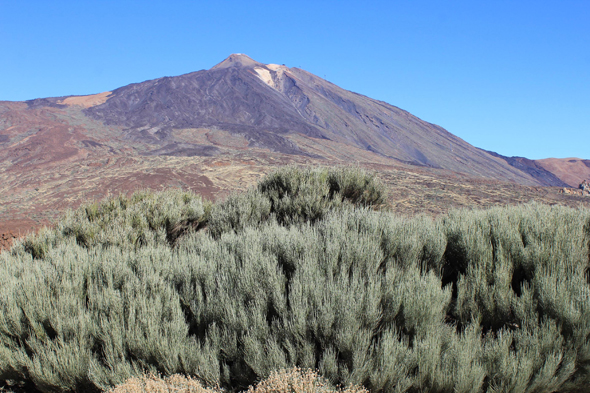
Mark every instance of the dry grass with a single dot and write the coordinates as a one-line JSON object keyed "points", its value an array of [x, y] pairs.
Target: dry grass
{"points": [[296, 380], [155, 384], [293, 380]]}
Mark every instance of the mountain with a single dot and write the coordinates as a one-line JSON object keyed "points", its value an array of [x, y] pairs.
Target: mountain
{"points": [[286, 110], [217, 130]]}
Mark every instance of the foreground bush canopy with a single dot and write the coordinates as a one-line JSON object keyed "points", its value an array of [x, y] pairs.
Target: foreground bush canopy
{"points": [[306, 269]]}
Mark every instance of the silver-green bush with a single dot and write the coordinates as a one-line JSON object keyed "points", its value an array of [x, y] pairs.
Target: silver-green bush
{"points": [[292, 195], [144, 219], [476, 301]]}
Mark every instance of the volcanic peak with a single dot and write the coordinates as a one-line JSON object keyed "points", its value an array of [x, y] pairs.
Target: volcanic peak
{"points": [[237, 60]]}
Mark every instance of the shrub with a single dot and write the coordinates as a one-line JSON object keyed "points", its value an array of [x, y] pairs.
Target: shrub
{"points": [[142, 219], [492, 300], [294, 195]]}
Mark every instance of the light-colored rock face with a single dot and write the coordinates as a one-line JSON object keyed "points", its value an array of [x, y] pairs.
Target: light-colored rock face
{"points": [[273, 75], [265, 76], [86, 101], [276, 67]]}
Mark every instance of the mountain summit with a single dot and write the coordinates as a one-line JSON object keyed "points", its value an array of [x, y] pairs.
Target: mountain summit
{"points": [[237, 60]]}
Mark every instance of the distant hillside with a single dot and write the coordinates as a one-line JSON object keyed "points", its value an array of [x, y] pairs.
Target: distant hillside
{"points": [[535, 169], [571, 170]]}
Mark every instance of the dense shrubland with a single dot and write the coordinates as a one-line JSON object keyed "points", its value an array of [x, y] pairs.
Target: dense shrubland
{"points": [[307, 269]]}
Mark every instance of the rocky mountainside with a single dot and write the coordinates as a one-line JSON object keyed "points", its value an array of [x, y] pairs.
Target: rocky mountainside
{"points": [[217, 130]]}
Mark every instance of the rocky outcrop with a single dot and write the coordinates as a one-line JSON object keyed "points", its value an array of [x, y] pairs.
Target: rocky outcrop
{"points": [[583, 189]]}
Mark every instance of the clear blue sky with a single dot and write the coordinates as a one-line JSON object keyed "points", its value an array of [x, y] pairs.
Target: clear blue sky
{"points": [[508, 76]]}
